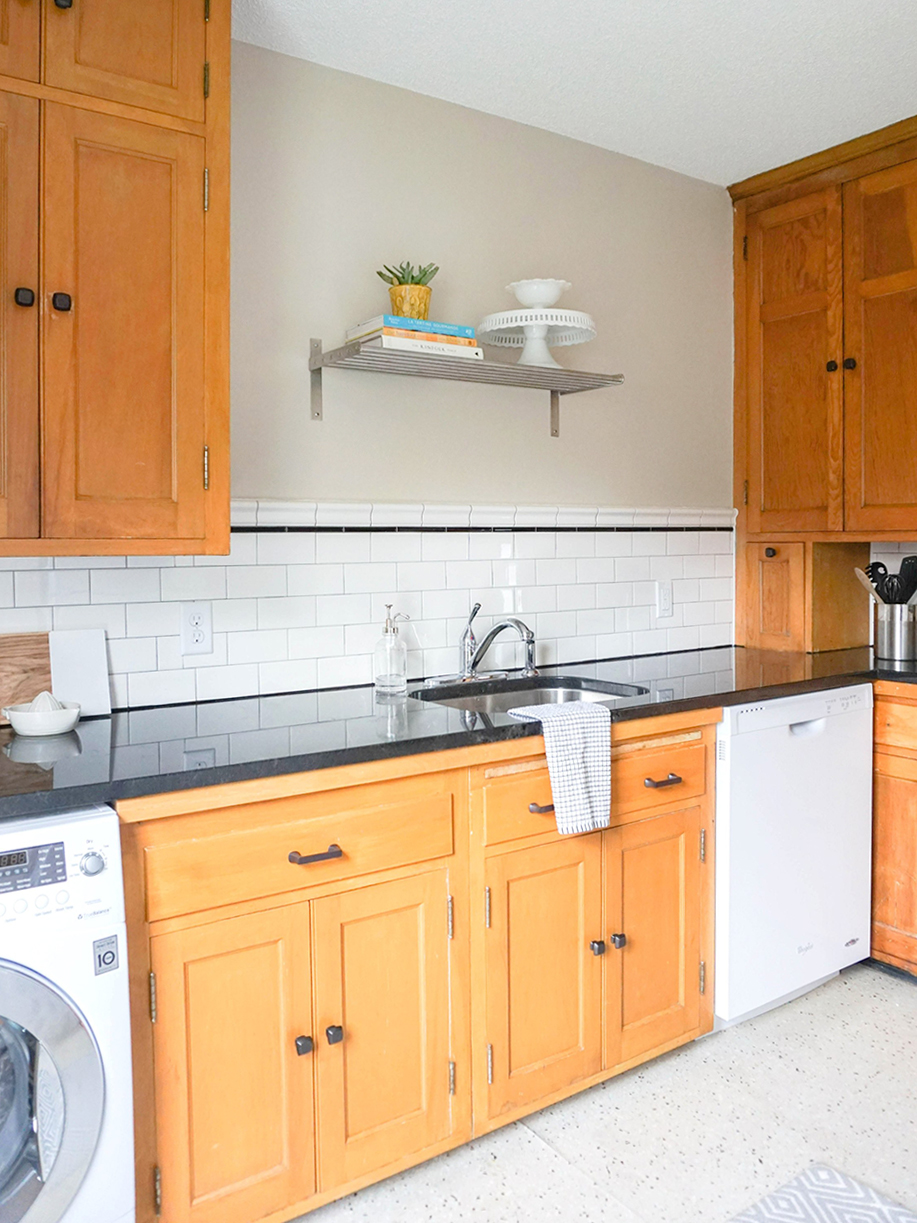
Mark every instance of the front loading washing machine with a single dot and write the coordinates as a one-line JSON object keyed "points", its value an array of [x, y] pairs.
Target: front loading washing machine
{"points": [[66, 1116]]}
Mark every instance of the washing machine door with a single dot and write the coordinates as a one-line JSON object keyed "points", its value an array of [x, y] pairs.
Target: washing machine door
{"points": [[52, 1092]]}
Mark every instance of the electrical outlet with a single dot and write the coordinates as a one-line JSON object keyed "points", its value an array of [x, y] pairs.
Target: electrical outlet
{"points": [[197, 628], [663, 599], [665, 694]]}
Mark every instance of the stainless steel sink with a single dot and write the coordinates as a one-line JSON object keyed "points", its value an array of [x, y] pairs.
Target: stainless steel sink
{"points": [[501, 695]]}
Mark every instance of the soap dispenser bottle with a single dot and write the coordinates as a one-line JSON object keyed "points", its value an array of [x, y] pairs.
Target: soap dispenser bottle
{"points": [[390, 658]]}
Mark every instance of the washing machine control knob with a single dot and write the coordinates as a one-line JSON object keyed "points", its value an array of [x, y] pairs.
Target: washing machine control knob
{"points": [[92, 863]]}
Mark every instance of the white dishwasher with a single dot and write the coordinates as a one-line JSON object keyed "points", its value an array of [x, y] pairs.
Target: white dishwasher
{"points": [[793, 846]]}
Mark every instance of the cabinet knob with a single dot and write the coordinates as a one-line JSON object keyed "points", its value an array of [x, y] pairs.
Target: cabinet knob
{"points": [[24, 297], [304, 1045], [619, 940], [850, 363], [64, 3], [597, 946], [335, 1034], [61, 301], [770, 553], [831, 367]]}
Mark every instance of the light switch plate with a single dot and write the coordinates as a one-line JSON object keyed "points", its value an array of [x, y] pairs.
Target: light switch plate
{"points": [[663, 599]]}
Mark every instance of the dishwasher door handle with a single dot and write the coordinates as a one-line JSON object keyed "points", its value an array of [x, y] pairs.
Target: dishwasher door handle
{"points": [[814, 726]]}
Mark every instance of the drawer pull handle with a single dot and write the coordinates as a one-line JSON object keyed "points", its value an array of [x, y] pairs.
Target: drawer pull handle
{"points": [[24, 297], [597, 946], [62, 302], [333, 851], [672, 780], [304, 1044], [536, 810], [335, 1034], [619, 940]]}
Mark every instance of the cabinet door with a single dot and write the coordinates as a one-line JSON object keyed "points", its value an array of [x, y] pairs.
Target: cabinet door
{"points": [[382, 978], [795, 403], [542, 981], [149, 55], [894, 878], [19, 499], [123, 411], [775, 596], [653, 898], [233, 1097], [19, 39], [880, 335]]}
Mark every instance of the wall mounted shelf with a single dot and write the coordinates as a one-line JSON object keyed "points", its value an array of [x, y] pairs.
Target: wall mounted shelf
{"points": [[453, 369]]}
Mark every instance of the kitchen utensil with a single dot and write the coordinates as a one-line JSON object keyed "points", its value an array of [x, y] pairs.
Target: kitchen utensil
{"points": [[864, 581], [908, 572], [43, 716]]}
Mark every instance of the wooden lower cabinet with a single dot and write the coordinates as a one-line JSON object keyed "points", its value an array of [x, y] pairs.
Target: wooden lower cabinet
{"points": [[653, 897], [382, 977], [234, 1101], [355, 976], [894, 827], [543, 984]]}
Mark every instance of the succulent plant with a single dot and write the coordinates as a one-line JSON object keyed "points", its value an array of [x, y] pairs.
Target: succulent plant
{"points": [[405, 274]]}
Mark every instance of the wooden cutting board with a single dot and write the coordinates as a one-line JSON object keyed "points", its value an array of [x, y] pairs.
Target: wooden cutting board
{"points": [[25, 668]]}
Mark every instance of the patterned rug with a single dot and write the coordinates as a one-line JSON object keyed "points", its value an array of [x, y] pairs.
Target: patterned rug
{"points": [[821, 1195]]}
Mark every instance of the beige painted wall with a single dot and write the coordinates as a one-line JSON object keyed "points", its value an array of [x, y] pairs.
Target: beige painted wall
{"points": [[334, 174]]}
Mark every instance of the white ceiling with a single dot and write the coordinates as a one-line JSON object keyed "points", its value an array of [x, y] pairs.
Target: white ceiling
{"points": [[719, 89]]}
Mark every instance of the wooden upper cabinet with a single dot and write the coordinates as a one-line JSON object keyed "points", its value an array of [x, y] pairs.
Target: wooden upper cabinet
{"points": [[543, 984], [795, 402], [234, 1100], [382, 978], [147, 53], [123, 395], [880, 270], [19, 491], [20, 22], [653, 898]]}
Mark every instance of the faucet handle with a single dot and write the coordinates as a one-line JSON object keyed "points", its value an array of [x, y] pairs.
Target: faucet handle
{"points": [[474, 612]]}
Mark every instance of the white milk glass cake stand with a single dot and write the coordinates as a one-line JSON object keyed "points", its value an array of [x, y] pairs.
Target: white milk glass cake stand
{"points": [[537, 327]]}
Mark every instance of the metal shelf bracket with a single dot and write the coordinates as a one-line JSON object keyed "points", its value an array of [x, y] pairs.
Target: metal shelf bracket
{"points": [[315, 379]]}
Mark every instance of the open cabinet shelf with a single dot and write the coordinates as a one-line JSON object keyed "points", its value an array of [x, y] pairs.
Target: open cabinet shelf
{"points": [[453, 369]]}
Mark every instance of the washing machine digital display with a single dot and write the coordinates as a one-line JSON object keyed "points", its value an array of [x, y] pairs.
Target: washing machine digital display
{"points": [[35, 867]]}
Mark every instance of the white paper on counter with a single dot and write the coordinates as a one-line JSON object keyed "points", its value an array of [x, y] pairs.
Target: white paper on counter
{"points": [[79, 669]]}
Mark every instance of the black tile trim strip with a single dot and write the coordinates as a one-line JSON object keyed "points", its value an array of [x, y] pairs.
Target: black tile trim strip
{"points": [[247, 530]]}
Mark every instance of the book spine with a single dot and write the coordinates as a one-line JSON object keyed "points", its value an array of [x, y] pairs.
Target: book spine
{"points": [[420, 324], [424, 338], [398, 344]]}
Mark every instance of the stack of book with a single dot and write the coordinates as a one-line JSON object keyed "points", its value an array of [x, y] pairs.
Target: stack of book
{"points": [[391, 331]]}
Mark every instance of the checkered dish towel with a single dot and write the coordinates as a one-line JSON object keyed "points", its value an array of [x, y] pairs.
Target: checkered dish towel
{"points": [[577, 739]]}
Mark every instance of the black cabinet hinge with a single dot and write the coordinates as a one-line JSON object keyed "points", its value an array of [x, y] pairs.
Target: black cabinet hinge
{"points": [[745, 247], [157, 1190], [745, 493], [207, 79], [206, 10]]}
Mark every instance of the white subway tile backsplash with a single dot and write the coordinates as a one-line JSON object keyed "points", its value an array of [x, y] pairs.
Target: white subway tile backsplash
{"points": [[316, 642], [315, 580], [342, 609], [255, 582], [292, 548], [125, 585], [188, 585], [298, 609], [422, 575], [298, 612], [161, 687], [51, 587], [369, 578], [334, 549]]}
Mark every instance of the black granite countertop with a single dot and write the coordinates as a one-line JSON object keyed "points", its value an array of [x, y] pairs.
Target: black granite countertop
{"points": [[179, 747]]}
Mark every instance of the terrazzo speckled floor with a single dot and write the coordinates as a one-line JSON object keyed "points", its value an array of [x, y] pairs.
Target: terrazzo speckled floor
{"points": [[700, 1134]]}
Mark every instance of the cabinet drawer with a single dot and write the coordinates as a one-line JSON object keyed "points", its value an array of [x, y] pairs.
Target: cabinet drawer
{"points": [[506, 806], [630, 795], [250, 863], [896, 724]]}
